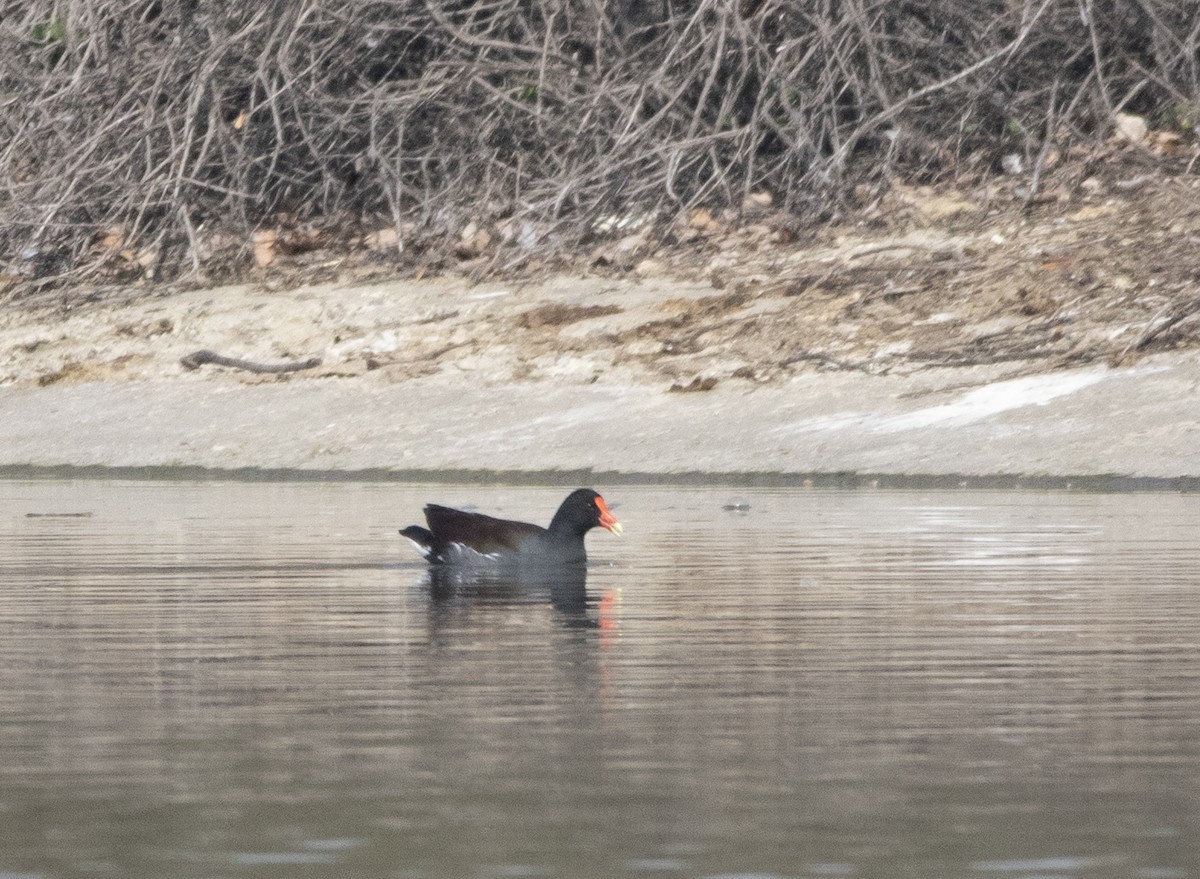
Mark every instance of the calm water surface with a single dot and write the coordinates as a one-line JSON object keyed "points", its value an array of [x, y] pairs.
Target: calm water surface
{"points": [[259, 680]]}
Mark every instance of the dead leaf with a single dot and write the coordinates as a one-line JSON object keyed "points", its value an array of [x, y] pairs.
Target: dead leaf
{"points": [[1090, 212], [110, 239], [264, 247], [558, 314], [1059, 263], [1167, 143], [385, 239], [702, 221], [474, 245]]}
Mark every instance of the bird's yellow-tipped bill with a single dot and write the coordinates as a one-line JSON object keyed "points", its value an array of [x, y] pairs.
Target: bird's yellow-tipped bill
{"points": [[607, 519]]}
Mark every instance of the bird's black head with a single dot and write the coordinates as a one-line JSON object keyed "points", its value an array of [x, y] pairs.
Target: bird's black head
{"points": [[583, 510]]}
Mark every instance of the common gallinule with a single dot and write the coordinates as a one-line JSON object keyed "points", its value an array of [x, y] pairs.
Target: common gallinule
{"points": [[459, 537]]}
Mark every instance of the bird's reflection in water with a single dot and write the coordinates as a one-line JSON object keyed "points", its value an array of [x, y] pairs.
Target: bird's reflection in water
{"points": [[564, 587]]}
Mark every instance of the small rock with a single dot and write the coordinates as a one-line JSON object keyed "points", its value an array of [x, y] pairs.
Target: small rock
{"points": [[1012, 164], [1130, 127], [756, 203], [696, 384], [385, 343], [650, 268]]}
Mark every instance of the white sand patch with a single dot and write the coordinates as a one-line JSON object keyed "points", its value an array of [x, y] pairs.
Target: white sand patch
{"points": [[999, 397], [973, 406], [1002, 396]]}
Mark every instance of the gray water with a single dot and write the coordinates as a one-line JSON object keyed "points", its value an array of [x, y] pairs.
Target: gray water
{"points": [[259, 680]]}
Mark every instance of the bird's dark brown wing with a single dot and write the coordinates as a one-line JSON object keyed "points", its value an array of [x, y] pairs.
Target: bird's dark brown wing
{"points": [[483, 534]]}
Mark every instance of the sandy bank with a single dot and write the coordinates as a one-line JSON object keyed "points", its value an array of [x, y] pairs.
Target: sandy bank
{"points": [[1089, 421], [572, 374]]}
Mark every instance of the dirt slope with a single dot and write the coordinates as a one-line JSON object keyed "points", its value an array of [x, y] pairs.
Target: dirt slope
{"points": [[702, 349]]}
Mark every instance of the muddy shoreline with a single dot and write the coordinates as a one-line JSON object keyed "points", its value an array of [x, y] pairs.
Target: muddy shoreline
{"points": [[919, 482], [961, 345], [1095, 421]]}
